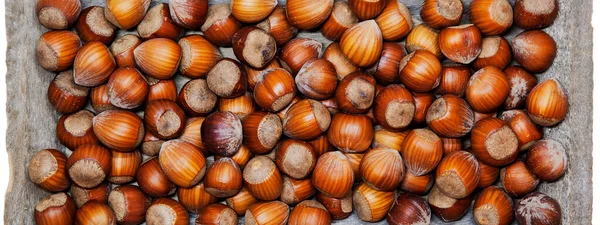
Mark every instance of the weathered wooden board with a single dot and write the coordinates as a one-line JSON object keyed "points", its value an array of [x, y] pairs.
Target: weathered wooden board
{"points": [[32, 120]]}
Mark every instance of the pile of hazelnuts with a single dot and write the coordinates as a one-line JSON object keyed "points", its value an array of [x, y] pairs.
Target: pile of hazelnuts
{"points": [[288, 133]]}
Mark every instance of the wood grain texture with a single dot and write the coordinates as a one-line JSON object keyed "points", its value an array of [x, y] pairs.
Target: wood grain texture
{"points": [[32, 119]]}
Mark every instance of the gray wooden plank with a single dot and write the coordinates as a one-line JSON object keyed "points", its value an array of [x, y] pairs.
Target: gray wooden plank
{"points": [[32, 119]]}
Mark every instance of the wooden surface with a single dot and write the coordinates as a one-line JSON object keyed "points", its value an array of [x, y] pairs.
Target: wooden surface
{"points": [[32, 120]]}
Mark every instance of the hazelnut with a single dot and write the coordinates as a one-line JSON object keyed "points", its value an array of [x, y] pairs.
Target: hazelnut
{"points": [[223, 178], [89, 165], [55, 209], [494, 143], [422, 151], [48, 169], [333, 175]]}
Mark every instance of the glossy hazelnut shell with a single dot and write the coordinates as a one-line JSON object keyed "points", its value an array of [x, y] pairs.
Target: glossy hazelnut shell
{"points": [[48, 169], [182, 163], [458, 174], [119, 130], [89, 165], [278, 25], [57, 15], [422, 150], [93, 64], [220, 25], [333, 175], [350, 133], [222, 133], [153, 180]]}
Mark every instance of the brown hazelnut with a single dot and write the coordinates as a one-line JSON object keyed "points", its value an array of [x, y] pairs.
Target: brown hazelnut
{"points": [[450, 116], [93, 212], [422, 151], [409, 209], [182, 163], [89, 165], [355, 93], [161, 89], [241, 201], [227, 79], [341, 19], [394, 107], [446, 208], [333, 175], [530, 14], [74, 130], [487, 90], [342, 65], [124, 166], [362, 43], [309, 212], [196, 98], [83, 195], [547, 103], [382, 169], [534, 50], [350, 133], [57, 14], [516, 179], [158, 24], [495, 51], [198, 55], [217, 214], [48, 169], [461, 44], [295, 158], [153, 180], [93, 64], [220, 25], [306, 15], [93, 26], [274, 212], [420, 71], [527, 132], [262, 130], [55, 209], [458, 174], [295, 191], [547, 159], [538, 208], [164, 118], [521, 83], [493, 206], [223, 178], [122, 50], [127, 88], [494, 142], [126, 14], [56, 50], [240, 106], [189, 14], [195, 198], [262, 178], [492, 17], [394, 21], [222, 133], [306, 120], [442, 13], [278, 26], [129, 204], [166, 211], [275, 90], [372, 205]]}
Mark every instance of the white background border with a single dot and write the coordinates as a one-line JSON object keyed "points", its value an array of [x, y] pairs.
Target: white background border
{"points": [[4, 171]]}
